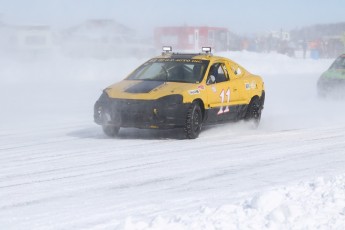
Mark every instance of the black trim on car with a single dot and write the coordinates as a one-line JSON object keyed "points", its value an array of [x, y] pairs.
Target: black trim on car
{"points": [[164, 113]]}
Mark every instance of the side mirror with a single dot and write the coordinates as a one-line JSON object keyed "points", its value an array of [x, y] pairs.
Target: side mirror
{"points": [[211, 80]]}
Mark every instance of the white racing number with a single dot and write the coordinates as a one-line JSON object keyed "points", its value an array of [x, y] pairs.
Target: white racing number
{"points": [[222, 96]]}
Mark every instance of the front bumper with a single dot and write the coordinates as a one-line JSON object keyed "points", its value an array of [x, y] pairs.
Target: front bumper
{"points": [[163, 113]]}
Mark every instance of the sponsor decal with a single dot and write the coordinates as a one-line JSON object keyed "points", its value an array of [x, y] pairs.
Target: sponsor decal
{"points": [[194, 91], [183, 60], [214, 89], [247, 85], [201, 87], [253, 85]]}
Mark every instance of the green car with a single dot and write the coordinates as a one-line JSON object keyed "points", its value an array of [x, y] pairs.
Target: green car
{"points": [[332, 81]]}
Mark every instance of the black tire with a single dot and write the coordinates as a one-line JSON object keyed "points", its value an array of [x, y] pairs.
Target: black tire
{"points": [[111, 123], [110, 130], [193, 121], [253, 112]]}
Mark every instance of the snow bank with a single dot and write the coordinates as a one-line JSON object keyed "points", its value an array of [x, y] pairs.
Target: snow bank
{"points": [[319, 204], [57, 68], [274, 63]]}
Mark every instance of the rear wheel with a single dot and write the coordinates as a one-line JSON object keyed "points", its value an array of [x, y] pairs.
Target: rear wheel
{"points": [[254, 111], [194, 121]]}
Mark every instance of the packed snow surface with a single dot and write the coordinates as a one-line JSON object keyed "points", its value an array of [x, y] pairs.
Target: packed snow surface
{"points": [[59, 171]]}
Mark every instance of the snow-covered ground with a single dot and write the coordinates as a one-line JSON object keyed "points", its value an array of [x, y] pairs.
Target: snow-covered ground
{"points": [[58, 170]]}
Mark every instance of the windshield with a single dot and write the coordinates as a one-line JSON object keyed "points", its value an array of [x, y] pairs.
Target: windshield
{"points": [[339, 63], [171, 70]]}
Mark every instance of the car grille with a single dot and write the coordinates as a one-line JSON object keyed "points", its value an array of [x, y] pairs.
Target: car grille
{"points": [[134, 111]]}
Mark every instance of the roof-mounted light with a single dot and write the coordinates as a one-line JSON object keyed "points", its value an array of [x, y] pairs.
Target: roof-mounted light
{"points": [[206, 50], [167, 49]]}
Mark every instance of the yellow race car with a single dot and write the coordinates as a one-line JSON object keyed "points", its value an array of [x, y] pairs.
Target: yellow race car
{"points": [[181, 90]]}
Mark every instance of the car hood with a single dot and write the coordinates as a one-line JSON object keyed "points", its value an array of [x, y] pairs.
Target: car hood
{"points": [[146, 90], [334, 74]]}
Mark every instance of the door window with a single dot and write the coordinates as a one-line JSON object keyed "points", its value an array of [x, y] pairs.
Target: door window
{"points": [[219, 73]]}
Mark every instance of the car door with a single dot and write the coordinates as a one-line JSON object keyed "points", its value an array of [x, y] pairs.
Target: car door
{"points": [[239, 83], [222, 93]]}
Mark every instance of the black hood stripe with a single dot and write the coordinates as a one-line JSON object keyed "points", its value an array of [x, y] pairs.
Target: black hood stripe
{"points": [[144, 87]]}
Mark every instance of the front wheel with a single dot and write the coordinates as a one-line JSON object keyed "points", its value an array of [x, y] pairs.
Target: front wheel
{"points": [[110, 130], [193, 121], [111, 124]]}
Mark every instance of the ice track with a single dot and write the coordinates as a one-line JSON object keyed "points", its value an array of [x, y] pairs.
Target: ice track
{"points": [[58, 170]]}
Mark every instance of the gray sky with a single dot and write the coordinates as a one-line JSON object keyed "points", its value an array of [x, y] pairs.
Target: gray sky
{"points": [[241, 16]]}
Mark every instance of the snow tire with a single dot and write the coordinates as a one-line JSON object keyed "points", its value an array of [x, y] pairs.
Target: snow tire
{"points": [[110, 130], [194, 121], [254, 111]]}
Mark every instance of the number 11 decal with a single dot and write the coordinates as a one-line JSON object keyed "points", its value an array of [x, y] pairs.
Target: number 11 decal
{"points": [[222, 96]]}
